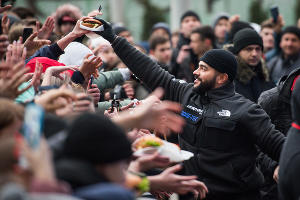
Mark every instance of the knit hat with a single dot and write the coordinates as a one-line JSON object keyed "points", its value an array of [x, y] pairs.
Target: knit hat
{"points": [[244, 38], [218, 18], [221, 60], [161, 25], [236, 26], [291, 29], [190, 13], [96, 139]]}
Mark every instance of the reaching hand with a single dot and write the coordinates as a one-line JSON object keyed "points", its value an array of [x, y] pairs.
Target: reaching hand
{"points": [[11, 77], [33, 45], [171, 182], [108, 32], [51, 100], [94, 92], [47, 28], [129, 90], [183, 53], [77, 31], [3, 45], [5, 8], [15, 53], [5, 24], [90, 66], [151, 114], [151, 161], [36, 79]]}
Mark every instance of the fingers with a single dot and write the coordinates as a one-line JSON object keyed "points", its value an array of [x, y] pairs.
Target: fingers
{"points": [[159, 92], [173, 169], [38, 26], [5, 8], [127, 106]]}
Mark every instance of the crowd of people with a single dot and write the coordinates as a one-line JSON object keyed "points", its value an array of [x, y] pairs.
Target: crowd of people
{"points": [[226, 92]]}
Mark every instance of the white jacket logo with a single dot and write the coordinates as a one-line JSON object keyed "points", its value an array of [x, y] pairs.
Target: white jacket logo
{"points": [[224, 113]]}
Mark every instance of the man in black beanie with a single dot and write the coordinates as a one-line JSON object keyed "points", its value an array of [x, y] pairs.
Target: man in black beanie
{"points": [[222, 127], [289, 57], [188, 21], [252, 73]]}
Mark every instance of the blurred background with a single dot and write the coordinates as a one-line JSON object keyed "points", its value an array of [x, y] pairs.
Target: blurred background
{"points": [[140, 15]]}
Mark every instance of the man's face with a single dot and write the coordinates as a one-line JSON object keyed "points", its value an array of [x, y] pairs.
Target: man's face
{"points": [[188, 24], [127, 35], [108, 55], [162, 53], [205, 78], [197, 44], [268, 38], [290, 44], [221, 28], [251, 54], [67, 27]]}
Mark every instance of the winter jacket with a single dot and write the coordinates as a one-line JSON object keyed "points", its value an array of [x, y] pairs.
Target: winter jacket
{"points": [[251, 82], [290, 157], [279, 67], [222, 127]]}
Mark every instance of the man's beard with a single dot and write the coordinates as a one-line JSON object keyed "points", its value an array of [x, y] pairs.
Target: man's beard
{"points": [[205, 86]]}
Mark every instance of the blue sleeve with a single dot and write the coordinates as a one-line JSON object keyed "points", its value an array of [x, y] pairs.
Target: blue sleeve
{"points": [[53, 52]]}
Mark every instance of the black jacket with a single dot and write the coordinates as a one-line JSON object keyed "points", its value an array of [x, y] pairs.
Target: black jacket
{"points": [[276, 102], [290, 160], [251, 82], [222, 127]]}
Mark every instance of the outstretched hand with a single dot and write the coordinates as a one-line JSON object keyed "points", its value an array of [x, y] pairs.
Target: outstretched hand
{"points": [[108, 32], [32, 44], [47, 28]]}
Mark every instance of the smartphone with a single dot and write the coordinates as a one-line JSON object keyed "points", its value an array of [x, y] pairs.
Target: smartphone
{"points": [[274, 13], [26, 33], [33, 124]]}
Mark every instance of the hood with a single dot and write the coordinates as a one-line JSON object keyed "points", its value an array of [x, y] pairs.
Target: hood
{"points": [[245, 73]]}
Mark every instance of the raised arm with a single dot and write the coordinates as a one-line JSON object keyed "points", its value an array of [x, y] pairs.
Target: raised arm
{"points": [[144, 67]]}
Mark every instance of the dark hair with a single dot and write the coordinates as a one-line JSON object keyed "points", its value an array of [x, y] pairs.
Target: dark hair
{"points": [[23, 13], [156, 40], [266, 24], [205, 32]]}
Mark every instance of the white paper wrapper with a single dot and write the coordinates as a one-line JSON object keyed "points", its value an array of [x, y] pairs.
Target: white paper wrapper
{"points": [[92, 35], [169, 150]]}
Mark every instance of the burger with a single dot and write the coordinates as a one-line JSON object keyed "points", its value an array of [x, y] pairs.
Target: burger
{"points": [[137, 183], [91, 23], [148, 141]]}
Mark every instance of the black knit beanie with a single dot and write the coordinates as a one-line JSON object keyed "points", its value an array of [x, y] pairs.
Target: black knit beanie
{"points": [[96, 139], [291, 29], [190, 13], [221, 60], [244, 38]]}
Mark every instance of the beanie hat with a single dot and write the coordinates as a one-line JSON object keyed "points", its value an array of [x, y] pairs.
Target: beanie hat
{"points": [[291, 29], [46, 62], [96, 139], [119, 29], [190, 13], [236, 26], [161, 25], [218, 18], [244, 38], [221, 60]]}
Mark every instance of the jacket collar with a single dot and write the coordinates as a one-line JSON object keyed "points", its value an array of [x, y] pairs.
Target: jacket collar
{"points": [[223, 92]]}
